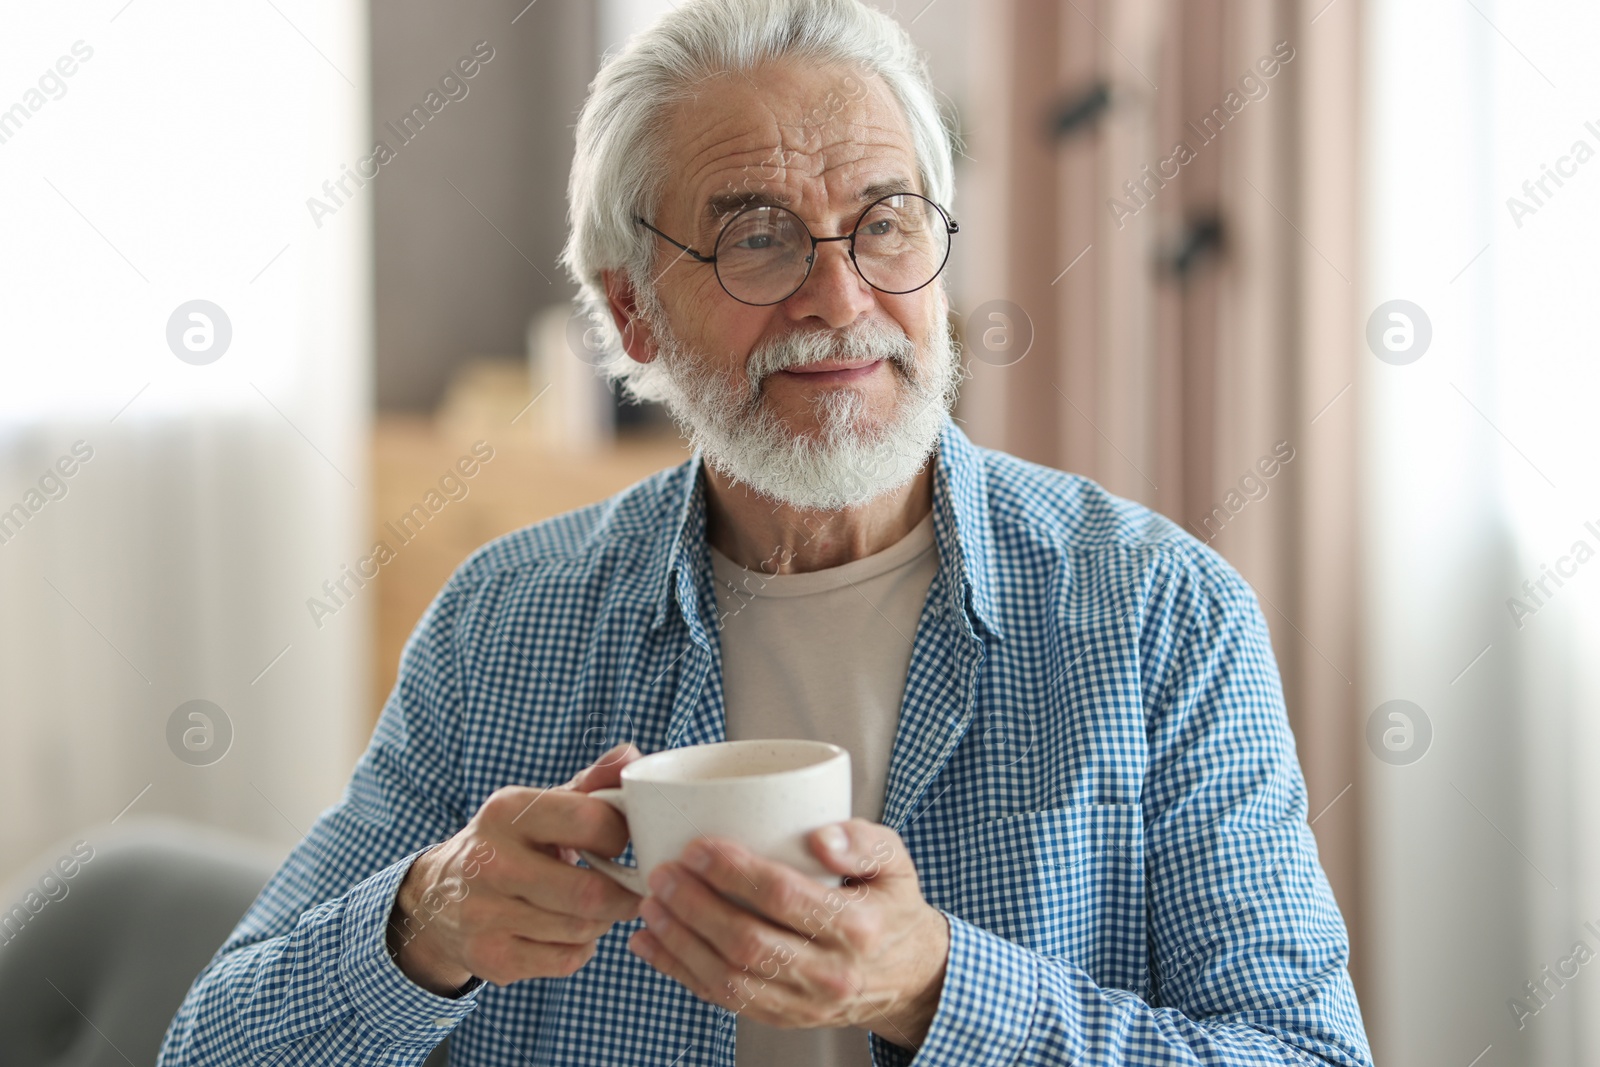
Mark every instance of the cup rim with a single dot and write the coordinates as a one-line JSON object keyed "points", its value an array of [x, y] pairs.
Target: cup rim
{"points": [[828, 752]]}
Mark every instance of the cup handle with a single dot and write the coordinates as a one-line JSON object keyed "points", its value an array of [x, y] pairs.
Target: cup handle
{"points": [[630, 878]]}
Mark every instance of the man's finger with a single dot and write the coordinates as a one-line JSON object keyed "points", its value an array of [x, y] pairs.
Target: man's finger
{"points": [[546, 883], [777, 891], [605, 772], [716, 942], [554, 817], [862, 849]]}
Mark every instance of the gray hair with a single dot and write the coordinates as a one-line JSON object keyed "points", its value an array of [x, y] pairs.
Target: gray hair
{"points": [[618, 170]]}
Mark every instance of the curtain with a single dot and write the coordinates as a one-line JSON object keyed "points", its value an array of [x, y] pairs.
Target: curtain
{"points": [[184, 353], [1483, 524]]}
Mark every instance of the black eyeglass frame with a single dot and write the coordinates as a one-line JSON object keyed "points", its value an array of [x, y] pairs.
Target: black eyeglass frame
{"points": [[952, 227]]}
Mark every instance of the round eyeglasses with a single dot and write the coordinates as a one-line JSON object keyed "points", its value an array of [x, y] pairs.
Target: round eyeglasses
{"points": [[764, 253]]}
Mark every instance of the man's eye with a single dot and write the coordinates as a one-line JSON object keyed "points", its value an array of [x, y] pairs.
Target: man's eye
{"points": [[762, 242], [879, 227]]}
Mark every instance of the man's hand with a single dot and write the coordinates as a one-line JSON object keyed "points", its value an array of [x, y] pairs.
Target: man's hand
{"points": [[504, 899], [798, 954]]}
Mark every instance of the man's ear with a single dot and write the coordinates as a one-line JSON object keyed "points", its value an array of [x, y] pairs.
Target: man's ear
{"points": [[637, 340]]}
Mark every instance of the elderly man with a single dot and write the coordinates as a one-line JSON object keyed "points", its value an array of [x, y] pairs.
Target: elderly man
{"points": [[1079, 831]]}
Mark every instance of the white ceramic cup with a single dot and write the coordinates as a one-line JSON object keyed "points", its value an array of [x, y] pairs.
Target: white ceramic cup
{"points": [[766, 794]]}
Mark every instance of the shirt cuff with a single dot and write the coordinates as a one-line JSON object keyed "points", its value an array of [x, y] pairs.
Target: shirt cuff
{"points": [[986, 1007], [386, 1001]]}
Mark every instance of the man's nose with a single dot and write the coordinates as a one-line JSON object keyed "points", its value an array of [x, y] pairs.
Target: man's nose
{"points": [[834, 292]]}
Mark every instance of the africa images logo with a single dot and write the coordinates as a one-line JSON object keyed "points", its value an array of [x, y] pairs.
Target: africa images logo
{"points": [[1253, 85], [452, 87], [453, 485]]}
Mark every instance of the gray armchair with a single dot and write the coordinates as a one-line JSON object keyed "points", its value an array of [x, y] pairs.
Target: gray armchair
{"points": [[94, 976]]}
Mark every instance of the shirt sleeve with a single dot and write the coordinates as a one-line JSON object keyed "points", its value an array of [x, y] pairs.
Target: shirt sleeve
{"points": [[1247, 948], [305, 977]]}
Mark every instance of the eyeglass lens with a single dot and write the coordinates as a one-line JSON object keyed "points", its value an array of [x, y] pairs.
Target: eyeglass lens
{"points": [[900, 245]]}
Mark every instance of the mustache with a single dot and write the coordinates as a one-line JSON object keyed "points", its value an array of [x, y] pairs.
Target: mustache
{"points": [[868, 340]]}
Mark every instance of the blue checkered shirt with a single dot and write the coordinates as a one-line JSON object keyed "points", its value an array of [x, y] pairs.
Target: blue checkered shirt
{"points": [[1093, 772]]}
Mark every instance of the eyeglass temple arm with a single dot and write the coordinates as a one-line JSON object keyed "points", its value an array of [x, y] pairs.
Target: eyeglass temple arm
{"points": [[682, 247]]}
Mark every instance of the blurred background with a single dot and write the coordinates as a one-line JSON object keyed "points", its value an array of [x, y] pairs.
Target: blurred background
{"points": [[1314, 278]]}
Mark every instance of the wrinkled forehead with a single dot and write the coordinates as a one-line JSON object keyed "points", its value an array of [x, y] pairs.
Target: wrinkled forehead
{"points": [[820, 139]]}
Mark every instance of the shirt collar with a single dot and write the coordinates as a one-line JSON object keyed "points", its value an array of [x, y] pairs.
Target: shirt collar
{"points": [[680, 562]]}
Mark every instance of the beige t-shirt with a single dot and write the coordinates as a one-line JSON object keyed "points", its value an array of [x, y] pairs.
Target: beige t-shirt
{"points": [[823, 655]]}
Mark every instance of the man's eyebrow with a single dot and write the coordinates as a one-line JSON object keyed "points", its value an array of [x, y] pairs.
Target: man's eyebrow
{"points": [[722, 205], [888, 187]]}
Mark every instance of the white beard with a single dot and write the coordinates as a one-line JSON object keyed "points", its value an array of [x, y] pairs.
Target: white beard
{"points": [[853, 458]]}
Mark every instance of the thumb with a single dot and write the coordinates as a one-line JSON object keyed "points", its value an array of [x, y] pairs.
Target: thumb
{"points": [[605, 772], [861, 849]]}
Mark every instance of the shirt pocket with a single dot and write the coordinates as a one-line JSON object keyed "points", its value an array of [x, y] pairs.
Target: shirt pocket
{"points": [[1065, 882]]}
